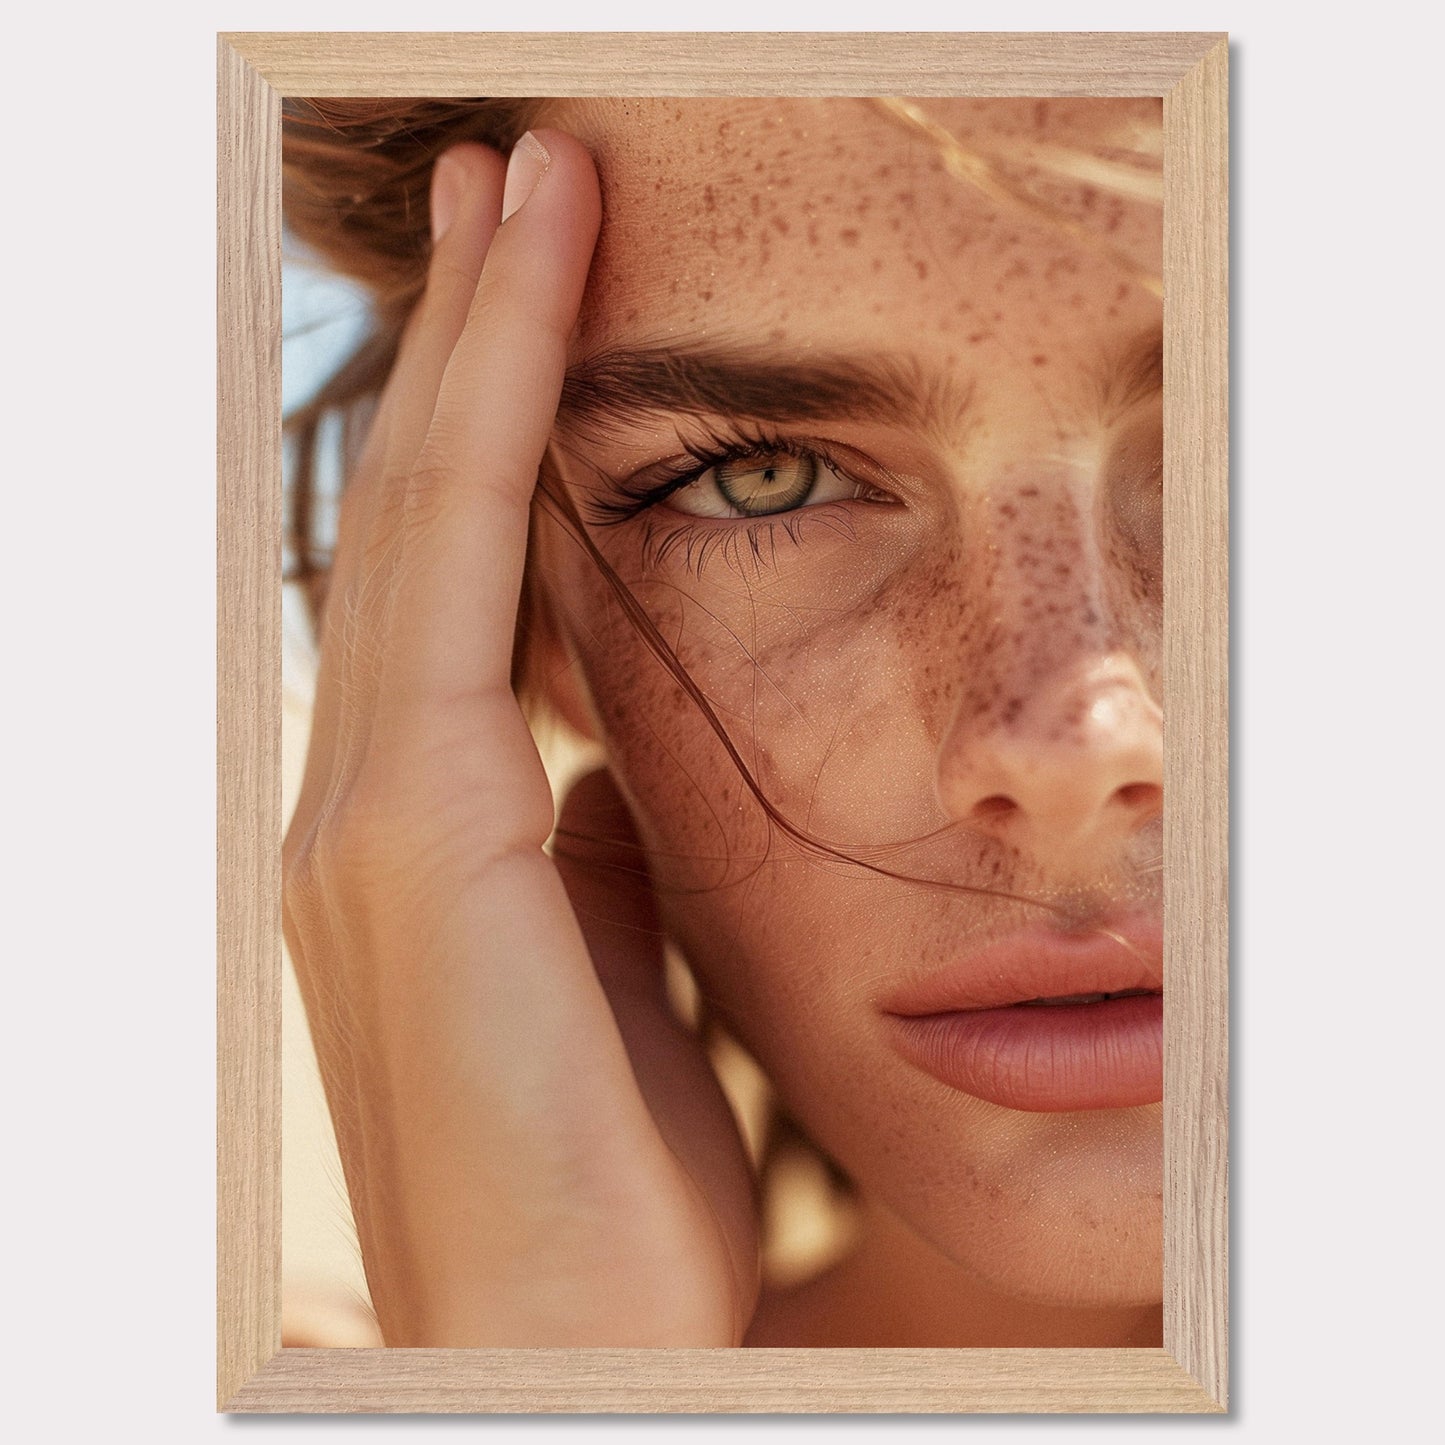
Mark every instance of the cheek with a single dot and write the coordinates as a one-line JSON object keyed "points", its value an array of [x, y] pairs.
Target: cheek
{"points": [[832, 677], [1133, 505], [834, 707], [694, 811]]}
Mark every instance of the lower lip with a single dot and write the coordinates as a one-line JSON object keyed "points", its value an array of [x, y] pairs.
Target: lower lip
{"points": [[1045, 1058]]}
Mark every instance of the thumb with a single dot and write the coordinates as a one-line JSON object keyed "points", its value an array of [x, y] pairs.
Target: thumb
{"points": [[597, 850], [604, 869]]}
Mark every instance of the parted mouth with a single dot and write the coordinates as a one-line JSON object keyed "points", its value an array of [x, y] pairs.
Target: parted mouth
{"points": [[1071, 998], [1043, 1021]]}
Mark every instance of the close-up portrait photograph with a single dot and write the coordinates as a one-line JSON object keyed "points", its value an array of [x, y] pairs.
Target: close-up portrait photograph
{"points": [[800, 463]]}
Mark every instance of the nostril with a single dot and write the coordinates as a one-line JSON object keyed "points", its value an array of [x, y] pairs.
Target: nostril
{"points": [[1137, 795], [994, 806]]}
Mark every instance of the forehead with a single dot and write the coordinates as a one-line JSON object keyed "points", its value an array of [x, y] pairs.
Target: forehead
{"points": [[838, 222]]}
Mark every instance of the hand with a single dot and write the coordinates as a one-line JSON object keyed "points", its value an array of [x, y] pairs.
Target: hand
{"points": [[537, 1152]]}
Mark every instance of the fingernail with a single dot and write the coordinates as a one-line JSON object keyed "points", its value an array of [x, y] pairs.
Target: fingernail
{"points": [[447, 182], [527, 166]]}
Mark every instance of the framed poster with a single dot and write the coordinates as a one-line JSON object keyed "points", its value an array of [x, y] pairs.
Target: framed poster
{"points": [[830, 432]]}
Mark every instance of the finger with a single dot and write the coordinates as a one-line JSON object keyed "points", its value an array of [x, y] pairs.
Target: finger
{"points": [[453, 597], [466, 199]]}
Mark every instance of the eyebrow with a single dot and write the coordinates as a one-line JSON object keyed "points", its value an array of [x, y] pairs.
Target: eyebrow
{"points": [[739, 381]]}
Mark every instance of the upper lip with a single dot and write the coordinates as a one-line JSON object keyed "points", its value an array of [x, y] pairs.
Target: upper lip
{"points": [[1037, 963]]}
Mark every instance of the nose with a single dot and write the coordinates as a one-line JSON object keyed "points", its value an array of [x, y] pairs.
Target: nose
{"points": [[1067, 769], [1056, 743]]}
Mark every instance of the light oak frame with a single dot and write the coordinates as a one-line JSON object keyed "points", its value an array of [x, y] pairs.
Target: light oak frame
{"points": [[1190, 72]]}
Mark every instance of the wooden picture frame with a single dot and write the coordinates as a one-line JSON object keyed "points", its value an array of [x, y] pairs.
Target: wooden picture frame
{"points": [[1189, 1374]]}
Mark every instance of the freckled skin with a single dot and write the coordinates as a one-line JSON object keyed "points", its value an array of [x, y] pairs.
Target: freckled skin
{"points": [[871, 674]]}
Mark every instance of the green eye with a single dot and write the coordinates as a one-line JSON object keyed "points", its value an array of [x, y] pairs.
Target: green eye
{"points": [[761, 484], [776, 485]]}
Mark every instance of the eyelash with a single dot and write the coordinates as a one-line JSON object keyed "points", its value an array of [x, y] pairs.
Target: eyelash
{"points": [[737, 539]]}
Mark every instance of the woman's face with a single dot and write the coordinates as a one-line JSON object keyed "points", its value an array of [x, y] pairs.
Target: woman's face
{"points": [[916, 573]]}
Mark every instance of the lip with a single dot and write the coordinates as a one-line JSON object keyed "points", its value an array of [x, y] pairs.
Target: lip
{"points": [[973, 1028]]}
